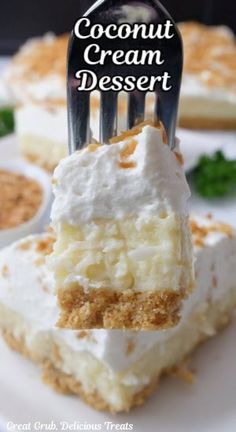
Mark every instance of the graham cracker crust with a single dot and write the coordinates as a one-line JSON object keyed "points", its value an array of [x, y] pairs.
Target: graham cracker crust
{"points": [[109, 309], [207, 123], [15, 344]]}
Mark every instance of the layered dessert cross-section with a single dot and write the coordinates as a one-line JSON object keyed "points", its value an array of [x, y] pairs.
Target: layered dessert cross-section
{"points": [[123, 253], [36, 78], [113, 369]]}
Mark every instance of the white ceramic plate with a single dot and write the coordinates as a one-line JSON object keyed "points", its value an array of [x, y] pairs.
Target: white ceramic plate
{"points": [[208, 405]]}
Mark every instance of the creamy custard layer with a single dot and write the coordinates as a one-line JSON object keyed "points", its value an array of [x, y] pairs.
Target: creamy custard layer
{"points": [[144, 255]]}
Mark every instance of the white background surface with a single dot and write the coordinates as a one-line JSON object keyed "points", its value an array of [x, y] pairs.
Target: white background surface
{"points": [[208, 405]]}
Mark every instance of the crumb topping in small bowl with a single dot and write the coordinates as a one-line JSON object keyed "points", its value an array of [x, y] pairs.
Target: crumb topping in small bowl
{"points": [[20, 199]]}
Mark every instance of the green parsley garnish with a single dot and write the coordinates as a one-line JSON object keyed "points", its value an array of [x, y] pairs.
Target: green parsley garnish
{"points": [[6, 121], [215, 176]]}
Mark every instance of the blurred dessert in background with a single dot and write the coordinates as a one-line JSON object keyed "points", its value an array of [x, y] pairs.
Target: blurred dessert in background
{"points": [[123, 254], [112, 369], [36, 77], [208, 93]]}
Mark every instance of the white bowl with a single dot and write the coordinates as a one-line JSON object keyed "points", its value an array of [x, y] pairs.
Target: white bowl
{"points": [[42, 217]]}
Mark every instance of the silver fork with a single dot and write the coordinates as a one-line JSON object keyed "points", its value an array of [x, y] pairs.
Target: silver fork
{"points": [[166, 102]]}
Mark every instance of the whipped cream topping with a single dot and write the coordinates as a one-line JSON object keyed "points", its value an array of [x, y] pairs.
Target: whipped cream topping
{"points": [[51, 88], [27, 287], [208, 232], [38, 70], [108, 183], [193, 86], [43, 122]]}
